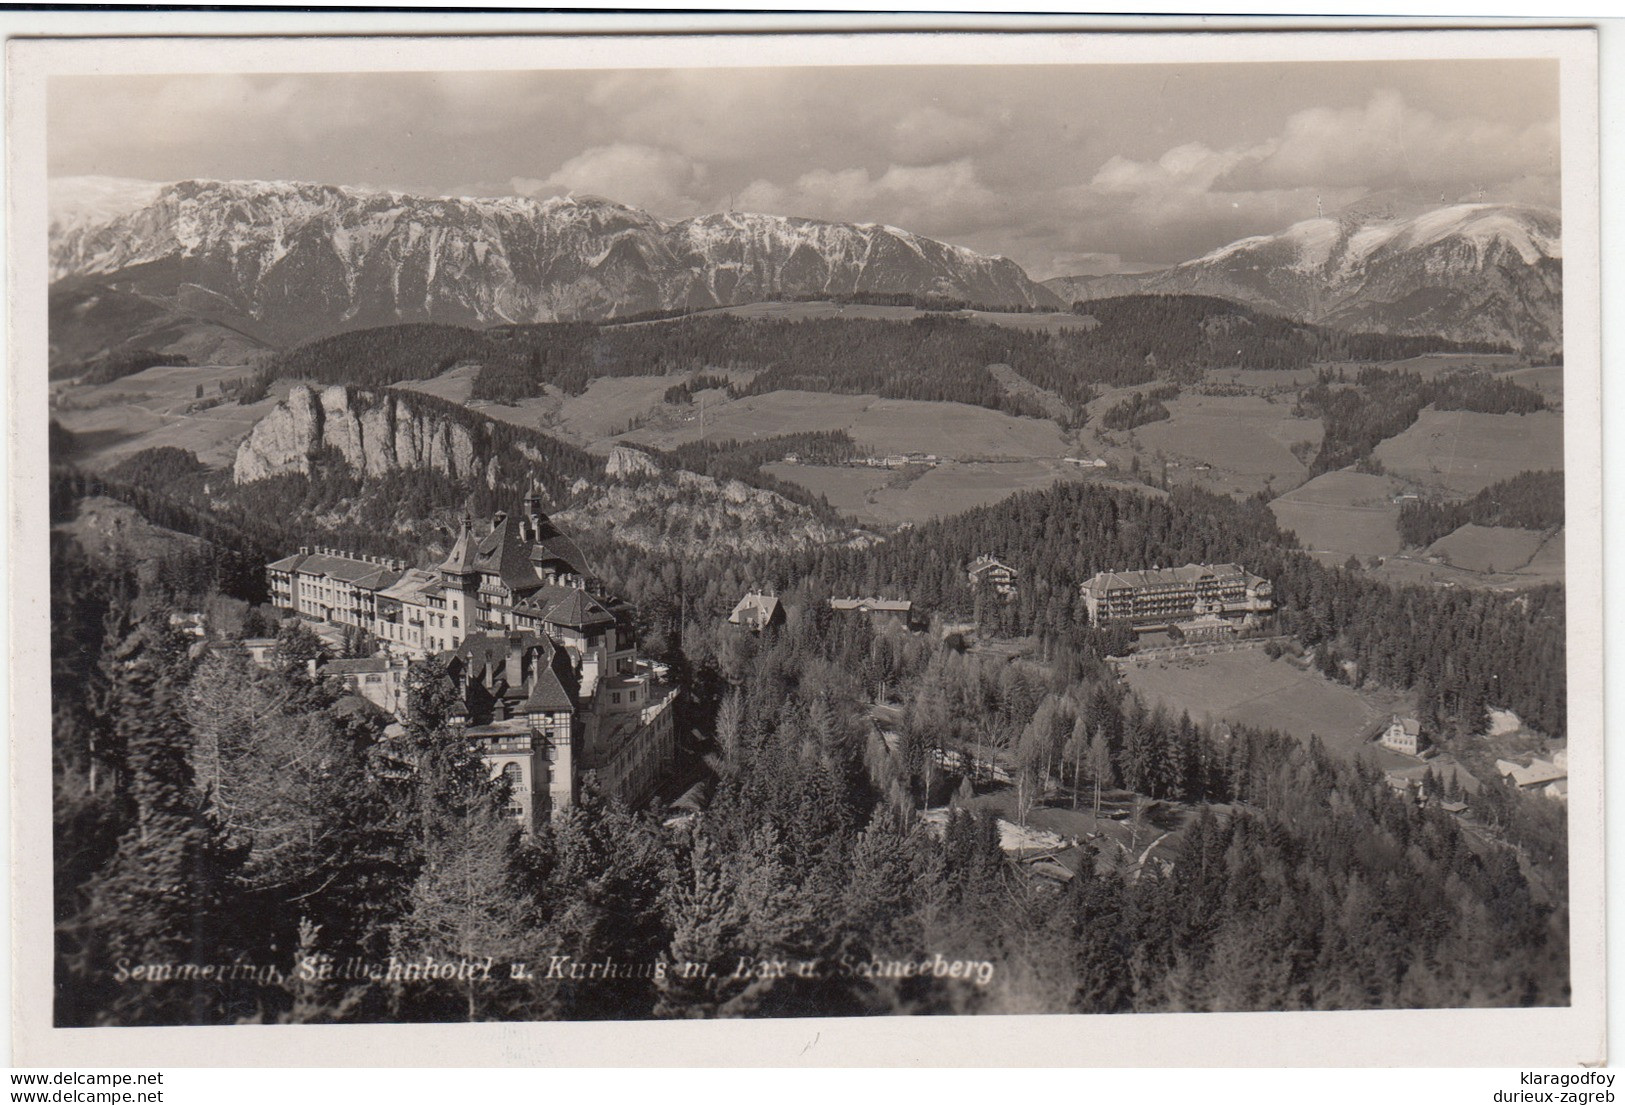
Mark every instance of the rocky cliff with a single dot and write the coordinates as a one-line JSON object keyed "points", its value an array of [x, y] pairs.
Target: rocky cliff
{"points": [[685, 514], [375, 433]]}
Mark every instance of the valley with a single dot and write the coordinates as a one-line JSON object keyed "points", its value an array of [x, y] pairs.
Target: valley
{"points": [[787, 561], [1236, 433]]}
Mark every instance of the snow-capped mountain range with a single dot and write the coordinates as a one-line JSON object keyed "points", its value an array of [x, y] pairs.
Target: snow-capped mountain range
{"points": [[229, 264], [1389, 264], [300, 260]]}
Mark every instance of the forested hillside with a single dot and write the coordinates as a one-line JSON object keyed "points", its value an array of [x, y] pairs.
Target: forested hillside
{"points": [[936, 356], [1463, 649], [208, 811], [1532, 500], [1381, 403]]}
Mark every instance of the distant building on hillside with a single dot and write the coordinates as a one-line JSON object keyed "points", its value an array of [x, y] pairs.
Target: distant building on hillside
{"points": [[1164, 596], [1404, 734], [880, 611], [993, 573], [758, 611], [1542, 776]]}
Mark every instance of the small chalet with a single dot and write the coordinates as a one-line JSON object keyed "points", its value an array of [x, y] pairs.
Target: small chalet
{"points": [[993, 573], [880, 611], [757, 611], [1404, 734], [1550, 779]]}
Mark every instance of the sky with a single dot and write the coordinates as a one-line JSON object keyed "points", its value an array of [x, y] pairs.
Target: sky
{"points": [[1065, 169]]}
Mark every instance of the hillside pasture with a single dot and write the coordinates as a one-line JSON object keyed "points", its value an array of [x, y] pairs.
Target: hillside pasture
{"points": [[1463, 452], [878, 497], [819, 309], [1438, 364], [454, 385], [1266, 379], [1546, 379], [1338, 514], [1246, 687], [849, 490], [154, 408], [1245, 439], [1488, 548], [954, 430]]}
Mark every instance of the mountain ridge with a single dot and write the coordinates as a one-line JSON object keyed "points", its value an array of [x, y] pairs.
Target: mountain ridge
{"points": [[1466, 271], [298, 260]]}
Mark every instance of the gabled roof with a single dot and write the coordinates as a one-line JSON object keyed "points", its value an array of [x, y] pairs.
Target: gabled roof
{"points": [[763, 607], [548, 695], [889, 606], [551, 545], [1411, 726], [983, 563], [480, 650], [571, 606], [348, 569], [1538, 772], [502, 554], [288, 563], [413, 584]]}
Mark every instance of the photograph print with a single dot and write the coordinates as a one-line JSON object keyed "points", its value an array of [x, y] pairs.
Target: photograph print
{"points": [[593, 542]]}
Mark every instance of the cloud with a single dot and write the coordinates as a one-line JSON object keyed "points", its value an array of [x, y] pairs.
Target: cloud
{"points": [[658, 180], [923, 198], [1387, 143], [1191, 168], [929, 136]]}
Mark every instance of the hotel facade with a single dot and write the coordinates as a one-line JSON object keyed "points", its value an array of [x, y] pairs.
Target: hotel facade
{"points": [[1169, 596], [544, 662]]}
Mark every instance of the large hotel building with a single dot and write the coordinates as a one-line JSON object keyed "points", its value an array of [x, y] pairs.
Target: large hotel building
{"points": [[546, 666], [1211, 594]]}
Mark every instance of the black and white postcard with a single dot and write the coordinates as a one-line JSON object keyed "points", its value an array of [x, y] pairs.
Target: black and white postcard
{"points": [[972, 548]]}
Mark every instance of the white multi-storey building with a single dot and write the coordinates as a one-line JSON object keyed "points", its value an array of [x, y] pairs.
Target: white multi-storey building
{"points": [[546, 666]]}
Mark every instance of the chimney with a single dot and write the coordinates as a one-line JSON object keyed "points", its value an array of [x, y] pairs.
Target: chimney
{"points": [[515, 673], [304, 550], [498, 518]]}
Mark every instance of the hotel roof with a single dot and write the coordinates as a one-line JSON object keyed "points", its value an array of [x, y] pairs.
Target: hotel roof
{"points": [[413, 584], [571, 606], [368, 574], [1165, 577]]}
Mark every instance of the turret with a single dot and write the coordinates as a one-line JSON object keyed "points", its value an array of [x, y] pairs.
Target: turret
{"points": [[534, 515]]}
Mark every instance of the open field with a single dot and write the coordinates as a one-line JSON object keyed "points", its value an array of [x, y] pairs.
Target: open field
{"points": [[1546, 566], [881, 498], [1248, 688], [1464, 452], [849, 490], [1488, 548], [1430, 365], [454, 385], [1266, 379], [1342, 513], [792, 312], [149, 409], [955, 430], [1245, 441], [1546, 379]]}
